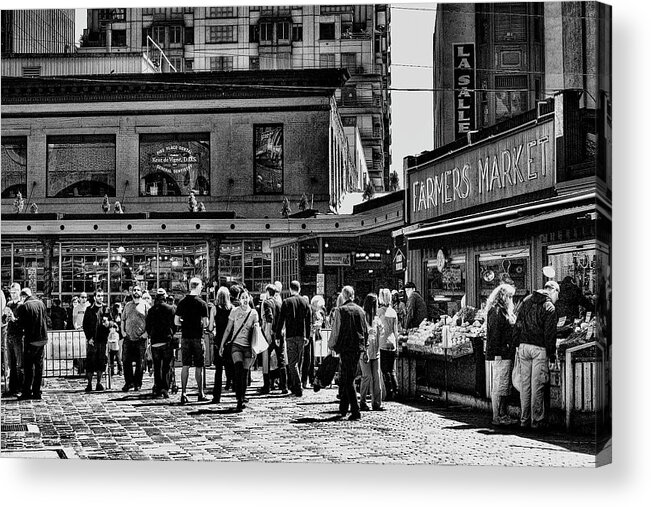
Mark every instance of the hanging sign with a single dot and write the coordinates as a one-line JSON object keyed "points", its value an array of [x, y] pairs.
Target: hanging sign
{"points": [[464, 89], [399, 261], [320, 283], [329, 259]]}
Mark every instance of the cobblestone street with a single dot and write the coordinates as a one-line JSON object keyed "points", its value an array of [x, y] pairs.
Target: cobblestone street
{"points": [[114, 425]]}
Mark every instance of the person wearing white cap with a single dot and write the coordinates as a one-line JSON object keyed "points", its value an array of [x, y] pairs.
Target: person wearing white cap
{"points": [[160, 328]]}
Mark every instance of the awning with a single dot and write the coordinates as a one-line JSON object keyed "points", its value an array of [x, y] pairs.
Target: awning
{"points": [[488, 219], [550, 215]]}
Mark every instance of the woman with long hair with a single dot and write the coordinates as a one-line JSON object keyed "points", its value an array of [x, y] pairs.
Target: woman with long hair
{"points": [[317, 304], [238, 334], [500, 348], [388, 343], [218, 321], [370, 361]]}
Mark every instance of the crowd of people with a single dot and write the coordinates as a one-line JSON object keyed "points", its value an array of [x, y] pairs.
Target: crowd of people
{"points": [[142, 335]]}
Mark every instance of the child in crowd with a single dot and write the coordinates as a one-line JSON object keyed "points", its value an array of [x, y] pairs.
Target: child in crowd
{"points": [[114, 347]]}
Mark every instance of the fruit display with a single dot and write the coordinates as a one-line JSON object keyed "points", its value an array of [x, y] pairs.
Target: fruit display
{"points": [[428, 336], [584, 332]]}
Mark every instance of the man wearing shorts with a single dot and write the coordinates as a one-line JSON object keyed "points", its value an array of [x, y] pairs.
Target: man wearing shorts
{"points": [[192, 317]]}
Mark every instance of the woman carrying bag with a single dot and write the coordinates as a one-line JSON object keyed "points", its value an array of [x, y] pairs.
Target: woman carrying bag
{"points": [[219, 320], [237, 337]]}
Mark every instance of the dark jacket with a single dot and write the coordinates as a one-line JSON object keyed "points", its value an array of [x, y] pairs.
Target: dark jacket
{"points": [[270, 314], [32, 319], [92, 325], [537, 322], [350, 328], [296, 315], [58, 317], [159, 323], [569, 300], [221, 321], [416, 310], [499, 335]]}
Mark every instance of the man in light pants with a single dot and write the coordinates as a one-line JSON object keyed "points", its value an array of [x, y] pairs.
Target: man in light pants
{"points": [[536, 333]]}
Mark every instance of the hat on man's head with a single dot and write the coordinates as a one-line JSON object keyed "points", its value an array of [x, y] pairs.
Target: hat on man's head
{"points": [[410, 285], [161, 292]]}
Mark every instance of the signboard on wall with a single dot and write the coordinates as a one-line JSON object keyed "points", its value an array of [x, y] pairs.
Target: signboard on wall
{"points": [[320, 283], [464, 89], [490, 171], [329, 259], [399, 261]]}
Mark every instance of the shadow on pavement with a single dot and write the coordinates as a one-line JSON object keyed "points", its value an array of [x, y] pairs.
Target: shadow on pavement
{"points": [[319, 402], [206, 411], [307, 420], [466, 418]]}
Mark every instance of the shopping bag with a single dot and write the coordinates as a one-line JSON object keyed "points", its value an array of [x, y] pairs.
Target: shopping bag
{"points": [[515, 375], [258, 341]]}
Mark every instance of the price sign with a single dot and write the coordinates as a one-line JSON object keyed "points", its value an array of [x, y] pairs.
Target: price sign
{"points": [[320, 283]]}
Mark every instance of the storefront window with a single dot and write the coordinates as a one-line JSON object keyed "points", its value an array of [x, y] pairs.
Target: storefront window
{"points": [[269, 162], [257, 265], [84, 267], [230, 262], [584, 265], [6, 265], [81, 166], [133, 265], [14, 166], [174, 164], [504, 267], [28, 266], [445, 287], [286, 264], [179, 262]]}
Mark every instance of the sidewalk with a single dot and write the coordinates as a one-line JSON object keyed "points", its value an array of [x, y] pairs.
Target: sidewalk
{"points": [[69, 423]]}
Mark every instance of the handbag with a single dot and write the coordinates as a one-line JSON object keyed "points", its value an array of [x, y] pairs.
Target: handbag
{"points": [[258, 342], [516, 379]]}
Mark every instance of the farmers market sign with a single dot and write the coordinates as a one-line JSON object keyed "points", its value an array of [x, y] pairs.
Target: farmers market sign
{"points": [[513, 165]]}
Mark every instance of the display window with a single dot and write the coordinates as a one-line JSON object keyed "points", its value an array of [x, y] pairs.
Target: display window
{"points": [[14, 166], [174, 164], [446, 286], [581, 270], [506, 266]]}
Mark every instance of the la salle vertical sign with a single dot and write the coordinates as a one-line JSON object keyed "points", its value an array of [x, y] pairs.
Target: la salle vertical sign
{"points": [[464, 89]]}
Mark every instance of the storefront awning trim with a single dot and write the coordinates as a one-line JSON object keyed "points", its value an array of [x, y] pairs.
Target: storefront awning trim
{"points": [[488, 216], [459, 231], [549, 215]]}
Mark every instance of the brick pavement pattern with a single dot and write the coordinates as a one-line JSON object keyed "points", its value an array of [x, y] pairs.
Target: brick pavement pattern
{"points": [[273, 428]]}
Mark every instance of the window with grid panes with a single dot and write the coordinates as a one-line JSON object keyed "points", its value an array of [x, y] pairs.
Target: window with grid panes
{"points": [[221, 34], [176, 34], [327, 60], [282, 31], [326, 31], [510, 22], [221, 12], [266, 32], [254, 63], [223, 63]]}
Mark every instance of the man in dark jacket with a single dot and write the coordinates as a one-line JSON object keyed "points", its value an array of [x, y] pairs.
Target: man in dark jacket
{"points": [[97, 319], [296, 317], [15, 342], [32, 319], [160, 329], [349, 337], [416, 307], [270, 310], [535, 331]]}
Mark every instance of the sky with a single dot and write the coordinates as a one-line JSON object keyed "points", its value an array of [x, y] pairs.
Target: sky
{"points": [[412, 26]]}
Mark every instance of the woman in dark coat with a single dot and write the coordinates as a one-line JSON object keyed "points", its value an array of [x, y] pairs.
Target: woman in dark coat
{"points": [[500, 348]]}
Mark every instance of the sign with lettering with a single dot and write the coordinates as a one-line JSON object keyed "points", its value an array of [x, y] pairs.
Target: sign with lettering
{"points": [[399, 261], [491, 171], [329, 259], [464, 88], [320, 283]]}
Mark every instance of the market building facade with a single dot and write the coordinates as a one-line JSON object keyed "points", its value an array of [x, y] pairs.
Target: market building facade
{"points": [[160, 144]]}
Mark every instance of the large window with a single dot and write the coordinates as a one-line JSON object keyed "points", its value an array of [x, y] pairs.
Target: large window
{"points": [[327, 60], [266, 32], [268, 152], [446, 286], [221, 12], [221, 34], [14, 166], [174, 164], [508, 266], [81, 166], [257, 265], [176, 34], [326, 31], [221, 63]]}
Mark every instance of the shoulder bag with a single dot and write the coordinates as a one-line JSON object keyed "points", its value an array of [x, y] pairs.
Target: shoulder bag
{"points": [[258, 342]]}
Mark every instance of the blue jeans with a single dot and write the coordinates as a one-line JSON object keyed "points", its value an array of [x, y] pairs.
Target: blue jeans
{"points": [[15, 363], [534, 374], [295, 347]]}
